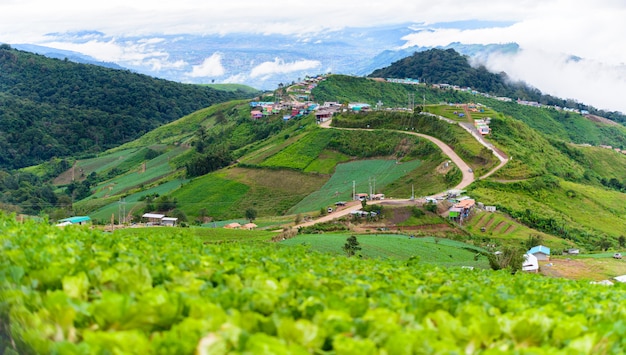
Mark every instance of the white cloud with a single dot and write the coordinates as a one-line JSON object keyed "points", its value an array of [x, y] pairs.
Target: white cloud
{"points": [[587, 81], [278, 66], [589, 29], [211, 66]]}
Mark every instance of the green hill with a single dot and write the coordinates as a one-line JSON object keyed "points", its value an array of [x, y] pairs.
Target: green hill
{"points": [[438, 66], [54, 108], [218, 163]]}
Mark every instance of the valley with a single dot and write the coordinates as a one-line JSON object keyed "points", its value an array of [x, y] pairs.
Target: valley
{"points": [[329, 216]]}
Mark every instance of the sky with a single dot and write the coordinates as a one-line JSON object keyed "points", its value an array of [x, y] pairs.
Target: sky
{"points": [[549, 32]]}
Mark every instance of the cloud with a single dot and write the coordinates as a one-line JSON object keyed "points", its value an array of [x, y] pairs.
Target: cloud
{"points": [[278, 66], [211, 66], [587, 81]]}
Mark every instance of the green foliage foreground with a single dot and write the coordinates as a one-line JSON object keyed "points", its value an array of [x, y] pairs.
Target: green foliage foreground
{"points": [[78, 291]]}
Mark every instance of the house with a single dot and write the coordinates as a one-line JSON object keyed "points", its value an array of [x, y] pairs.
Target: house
{"points": [[541, 252], [77, 220], [323, 115], [490, 208], [249, 226], [169, 221], [153, 218], [233, 225], [466, 206], [378, 196], [256, 114], [530, 264]]}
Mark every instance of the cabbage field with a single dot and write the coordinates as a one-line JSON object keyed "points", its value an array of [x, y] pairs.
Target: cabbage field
{"points": [[82, 291]]}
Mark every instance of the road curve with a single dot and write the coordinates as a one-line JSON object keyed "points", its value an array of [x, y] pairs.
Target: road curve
{"points": [[468, 175]]}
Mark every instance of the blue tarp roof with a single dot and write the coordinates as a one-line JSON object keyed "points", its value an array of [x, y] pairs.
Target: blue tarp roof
{"points": [[539, 249], [76, 219]]}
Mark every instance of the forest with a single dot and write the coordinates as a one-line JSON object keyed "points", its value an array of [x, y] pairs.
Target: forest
{"points": [[56, 108]]}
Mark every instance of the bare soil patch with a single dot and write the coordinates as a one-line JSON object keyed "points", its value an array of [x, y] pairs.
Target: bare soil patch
{"points": [[601, 119]]}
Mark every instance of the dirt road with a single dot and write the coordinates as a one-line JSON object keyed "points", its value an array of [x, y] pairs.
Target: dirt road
{"points": [[468, 177]]}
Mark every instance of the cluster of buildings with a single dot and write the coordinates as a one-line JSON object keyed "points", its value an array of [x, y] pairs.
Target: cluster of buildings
{"points": [[482, 126]]}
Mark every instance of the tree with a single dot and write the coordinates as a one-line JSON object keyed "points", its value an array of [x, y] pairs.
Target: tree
{"points": [[182, 217], [251, 214], [352, 246], [509, 258], [533, 241], [622, 241]]}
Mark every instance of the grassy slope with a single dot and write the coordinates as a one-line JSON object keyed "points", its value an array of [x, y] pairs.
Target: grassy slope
{"points": [[508, 231], [228, 193], [183, 129], [233, 87], [593, 209]]}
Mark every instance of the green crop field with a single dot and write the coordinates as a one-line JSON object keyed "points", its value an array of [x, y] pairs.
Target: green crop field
{"points": [[301, 153], [339, 187], [155, 169], [326, 162], [181, 291], [212, 235], [438, 251]]}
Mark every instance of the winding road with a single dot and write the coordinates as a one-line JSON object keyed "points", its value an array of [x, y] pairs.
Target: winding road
{"points": [[468, 175]]}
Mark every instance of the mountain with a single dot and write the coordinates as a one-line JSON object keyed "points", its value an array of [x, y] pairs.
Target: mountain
{"points": [[65, 54], [448, 66], [258, 60], [57, 108]]}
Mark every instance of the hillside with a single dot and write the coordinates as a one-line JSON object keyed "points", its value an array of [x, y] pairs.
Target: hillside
{"points": [[57, 108], [219, 163], [439, 66]]}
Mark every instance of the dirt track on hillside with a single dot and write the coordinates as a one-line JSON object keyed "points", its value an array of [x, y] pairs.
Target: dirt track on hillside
{"points": [[468, 178]]}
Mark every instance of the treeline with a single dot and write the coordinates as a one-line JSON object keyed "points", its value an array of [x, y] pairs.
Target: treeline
{"points": [[56, 108], [438, 66]]}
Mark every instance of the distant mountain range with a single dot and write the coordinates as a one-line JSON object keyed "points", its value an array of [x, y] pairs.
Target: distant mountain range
{"points": [[258, 60]]}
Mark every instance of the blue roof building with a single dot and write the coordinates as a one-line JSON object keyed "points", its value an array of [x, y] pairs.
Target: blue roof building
{"points": [[74, 220], [541, 252]]}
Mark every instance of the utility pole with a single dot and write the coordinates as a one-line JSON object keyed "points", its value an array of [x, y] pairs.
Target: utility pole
{"points": [[353, 190], [121, 211], [411, 99]]}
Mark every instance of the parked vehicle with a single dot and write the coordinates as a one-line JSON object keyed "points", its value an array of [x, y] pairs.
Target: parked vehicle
{"points": [[617, 256]]}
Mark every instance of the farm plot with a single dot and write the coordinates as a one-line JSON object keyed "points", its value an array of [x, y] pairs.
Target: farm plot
{"points": [[361, 173], [443, 252], [155, 169], [301, 153]]}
